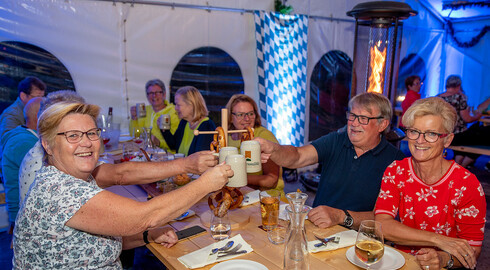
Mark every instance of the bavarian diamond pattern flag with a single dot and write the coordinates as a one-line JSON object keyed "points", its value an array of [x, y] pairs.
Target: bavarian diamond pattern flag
{"points": [[281, 55]]}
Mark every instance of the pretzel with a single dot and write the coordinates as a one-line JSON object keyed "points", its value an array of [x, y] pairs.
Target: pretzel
{"points": [[249, 135], [227, 198], [219, 140]]}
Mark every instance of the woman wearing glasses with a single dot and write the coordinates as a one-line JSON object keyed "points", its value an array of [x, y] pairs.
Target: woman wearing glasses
{"points": [[192, 111], [68, 222], [440, 205], [243, 113]]}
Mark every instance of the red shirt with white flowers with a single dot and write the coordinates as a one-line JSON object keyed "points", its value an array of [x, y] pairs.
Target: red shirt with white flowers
{"points": [[454, 206]]}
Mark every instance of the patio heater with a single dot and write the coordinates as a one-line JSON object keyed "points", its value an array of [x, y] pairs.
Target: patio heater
{"points": [[377, 45]]}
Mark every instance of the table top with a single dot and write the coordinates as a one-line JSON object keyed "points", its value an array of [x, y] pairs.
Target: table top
{"points": [[264, 252]]}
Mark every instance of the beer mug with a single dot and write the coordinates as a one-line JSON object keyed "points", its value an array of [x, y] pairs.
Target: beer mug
{"points": [[225, 151], [164, 122], [251, 151], [141, 110], [237, 164]]}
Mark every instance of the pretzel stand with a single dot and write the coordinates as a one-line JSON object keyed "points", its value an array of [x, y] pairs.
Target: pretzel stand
{"points": [[229, 197]]}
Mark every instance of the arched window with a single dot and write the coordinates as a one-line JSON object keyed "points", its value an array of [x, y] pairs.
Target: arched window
{"points": [[214, 72], [20, 60], [329, 93]]}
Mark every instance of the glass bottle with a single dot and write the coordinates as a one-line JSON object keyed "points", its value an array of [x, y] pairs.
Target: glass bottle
{"points": [[296, 254], [148, 144]]}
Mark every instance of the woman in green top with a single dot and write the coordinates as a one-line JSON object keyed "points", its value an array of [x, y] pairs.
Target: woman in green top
{"points": [[243, 113], [192, 111]]}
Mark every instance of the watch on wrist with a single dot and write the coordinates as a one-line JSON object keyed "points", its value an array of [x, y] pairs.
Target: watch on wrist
{"points": [[145, 237], [348, 220], [450, 263]]}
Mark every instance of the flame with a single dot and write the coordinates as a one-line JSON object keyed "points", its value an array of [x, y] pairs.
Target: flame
{"points": [[377, 61]]}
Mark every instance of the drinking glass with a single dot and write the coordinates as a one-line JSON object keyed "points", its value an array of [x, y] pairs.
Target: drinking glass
{"points": [[269, 208], [220, 227], [369, 243]]}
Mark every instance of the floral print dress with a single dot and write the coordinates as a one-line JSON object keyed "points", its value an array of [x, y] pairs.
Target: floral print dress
{"points": [[41, 238]]}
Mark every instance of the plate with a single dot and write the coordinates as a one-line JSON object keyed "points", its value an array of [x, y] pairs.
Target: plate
{"points": [[392, 259], [239, 265]]}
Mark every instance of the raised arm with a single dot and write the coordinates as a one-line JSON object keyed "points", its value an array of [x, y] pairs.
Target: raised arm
{"points": [[287, 155], [126, 217], [268, 179], [131, 173]]}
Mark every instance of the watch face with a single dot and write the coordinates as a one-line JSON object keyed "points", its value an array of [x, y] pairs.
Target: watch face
{"points": [[450, 263], [348, 221]]}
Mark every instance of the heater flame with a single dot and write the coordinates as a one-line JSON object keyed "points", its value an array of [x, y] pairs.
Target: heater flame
{"points": [[377, 62]]}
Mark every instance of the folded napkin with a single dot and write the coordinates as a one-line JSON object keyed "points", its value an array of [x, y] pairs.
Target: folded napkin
{"points": [[250, 198], [283, 214], [347, 238], [201, 257], [186, 214]]}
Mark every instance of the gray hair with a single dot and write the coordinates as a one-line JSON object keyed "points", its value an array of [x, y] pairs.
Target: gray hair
{"points": [[431, 106], [155, 82], [59, 96]]}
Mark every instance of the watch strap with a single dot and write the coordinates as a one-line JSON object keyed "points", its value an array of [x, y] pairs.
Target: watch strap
{"points": [[145, 237]]}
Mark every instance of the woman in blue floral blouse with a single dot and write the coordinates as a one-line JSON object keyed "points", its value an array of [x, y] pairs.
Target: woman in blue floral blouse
{"points": [[68, 222]]}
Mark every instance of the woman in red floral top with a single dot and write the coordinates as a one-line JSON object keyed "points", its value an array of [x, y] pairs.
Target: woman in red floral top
{"points": [[429, 206]]}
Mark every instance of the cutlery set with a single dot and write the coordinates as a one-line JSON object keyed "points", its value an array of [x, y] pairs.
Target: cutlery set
{"points": [[325, 241], [226, 251]]}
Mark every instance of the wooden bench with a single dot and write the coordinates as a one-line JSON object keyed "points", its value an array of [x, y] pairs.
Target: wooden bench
{"points": [[475, 149]]}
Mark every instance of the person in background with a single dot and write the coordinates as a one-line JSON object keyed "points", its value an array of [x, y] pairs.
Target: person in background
{"points": [[475, 135], [353, 161], [62, 209], [13, 116], [126, 173], [429, 206], [15, 144], [243, 113], [191, 109], [413, 85], [156, 94]]}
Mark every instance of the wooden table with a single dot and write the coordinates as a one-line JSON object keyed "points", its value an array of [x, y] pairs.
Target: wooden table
{"points": [[264, 252]]}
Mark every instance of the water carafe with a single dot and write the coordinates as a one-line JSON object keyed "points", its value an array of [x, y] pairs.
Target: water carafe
{"points": [[296, 254]]}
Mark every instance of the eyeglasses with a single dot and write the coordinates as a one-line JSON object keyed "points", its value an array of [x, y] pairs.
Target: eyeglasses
{"points": [[242, 115], [154, 93], [431, 137], [363, 120], [74, 136]]}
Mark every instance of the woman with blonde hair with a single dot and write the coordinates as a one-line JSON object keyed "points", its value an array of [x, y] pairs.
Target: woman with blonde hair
{"points": [[68, 222], [192, 111], [440, 205], [243, 113]]}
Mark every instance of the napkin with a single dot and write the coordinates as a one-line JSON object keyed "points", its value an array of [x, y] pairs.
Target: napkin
{"points": [[250, 198], [347, 238], [283, 214], [201, 257]]}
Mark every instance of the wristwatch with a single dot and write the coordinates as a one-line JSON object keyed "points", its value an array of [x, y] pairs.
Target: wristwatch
{"points": [[348, 220], [450, 263]]}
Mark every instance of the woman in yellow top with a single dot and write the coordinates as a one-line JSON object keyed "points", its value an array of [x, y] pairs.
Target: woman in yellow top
{"points": [[243, 113], [191, 109]]}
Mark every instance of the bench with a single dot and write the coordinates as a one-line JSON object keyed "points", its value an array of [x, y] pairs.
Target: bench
{"points": [[475, 149]]}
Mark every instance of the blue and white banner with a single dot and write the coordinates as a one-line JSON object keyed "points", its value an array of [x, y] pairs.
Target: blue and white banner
{"points": [[282, 60]]}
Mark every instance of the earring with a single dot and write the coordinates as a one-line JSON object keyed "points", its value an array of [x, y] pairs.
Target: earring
{"points": [[444, 153]]}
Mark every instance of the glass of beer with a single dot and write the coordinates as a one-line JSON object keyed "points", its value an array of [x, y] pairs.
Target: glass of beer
{"points": [[269, 208], [369, 243]]}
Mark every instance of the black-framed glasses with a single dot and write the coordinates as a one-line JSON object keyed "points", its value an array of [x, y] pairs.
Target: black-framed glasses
{"points": [[242, 115], [429, 136], [74, 136], [363, 120], [154, 93]]}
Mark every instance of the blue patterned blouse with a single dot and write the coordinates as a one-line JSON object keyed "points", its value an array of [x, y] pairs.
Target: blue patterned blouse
{"points": [[41, 238]]}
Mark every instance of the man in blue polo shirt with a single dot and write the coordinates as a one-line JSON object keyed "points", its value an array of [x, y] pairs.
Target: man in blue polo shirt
{"points": [[353, 162]]}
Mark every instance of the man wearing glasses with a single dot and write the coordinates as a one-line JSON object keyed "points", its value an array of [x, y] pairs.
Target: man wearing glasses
{"points": [[156, 95], [352, 160]]}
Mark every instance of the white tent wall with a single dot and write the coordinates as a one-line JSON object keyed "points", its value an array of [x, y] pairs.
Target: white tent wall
{"points": [[112, 49]]}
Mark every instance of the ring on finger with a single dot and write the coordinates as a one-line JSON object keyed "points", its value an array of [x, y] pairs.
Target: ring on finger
{"points": [[427, 267], [466, 255]]}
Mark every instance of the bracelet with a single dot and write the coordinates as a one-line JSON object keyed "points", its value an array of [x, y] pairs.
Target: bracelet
{"points": [[145, 237]]}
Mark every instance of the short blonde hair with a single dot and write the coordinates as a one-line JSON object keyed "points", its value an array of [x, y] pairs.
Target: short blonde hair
{"points": [[50, 119], [237, 98], [431, 106], [192, 96]]}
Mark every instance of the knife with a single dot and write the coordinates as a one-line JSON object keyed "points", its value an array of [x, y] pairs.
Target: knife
{"points": [[232, 253], [324, 241]]}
